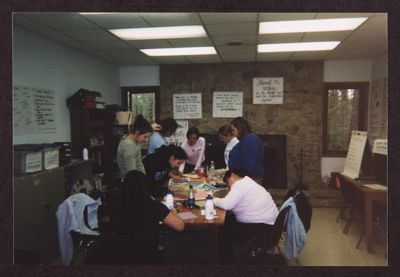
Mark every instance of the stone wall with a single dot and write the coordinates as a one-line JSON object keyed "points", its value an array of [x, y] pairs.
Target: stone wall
{"points": [[377, 126], [299, 117]]}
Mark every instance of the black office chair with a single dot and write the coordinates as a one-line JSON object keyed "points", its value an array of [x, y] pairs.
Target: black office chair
{"points": [[261, 249]]}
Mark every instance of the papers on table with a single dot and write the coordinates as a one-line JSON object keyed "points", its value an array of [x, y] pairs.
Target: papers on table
{"points": [[203, 212], [187, 215], [375, 186]]}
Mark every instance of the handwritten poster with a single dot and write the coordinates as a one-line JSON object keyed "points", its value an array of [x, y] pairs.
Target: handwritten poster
{"points": [[180, 135], [33, 111], [227, 104], [187, 106], [355, 154], [268, 90]]}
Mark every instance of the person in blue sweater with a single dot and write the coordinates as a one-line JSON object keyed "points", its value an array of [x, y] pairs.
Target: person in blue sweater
{"points": [[248, 153]]}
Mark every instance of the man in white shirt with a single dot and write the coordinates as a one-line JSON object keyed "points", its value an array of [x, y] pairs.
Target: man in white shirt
{"points": [[253, 210], [226, 136]]}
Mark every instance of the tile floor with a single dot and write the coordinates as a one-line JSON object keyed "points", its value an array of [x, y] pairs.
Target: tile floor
{"points": [[328, 246]]}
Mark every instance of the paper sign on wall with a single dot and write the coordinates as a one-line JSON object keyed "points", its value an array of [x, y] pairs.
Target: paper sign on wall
{"points": [[380, 146], [187, 106], [227, 104], [33, 111], [268, 90]]}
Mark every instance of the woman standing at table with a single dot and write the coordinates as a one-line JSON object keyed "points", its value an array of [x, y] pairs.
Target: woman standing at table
{"points": [[225, 134], [158, 168], [129, 156], [157, 139], [194, 147], [248, 153]]}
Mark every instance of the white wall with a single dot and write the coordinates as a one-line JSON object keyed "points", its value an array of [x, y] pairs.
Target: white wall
{"points": [[41, 63], [379, 68], [343, 71], [130, 76]]}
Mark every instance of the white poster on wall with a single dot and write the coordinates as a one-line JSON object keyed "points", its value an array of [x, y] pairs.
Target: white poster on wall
{"points": [[268, 90], [180, 135], [33, 111], [227, 104], [187, 106]]}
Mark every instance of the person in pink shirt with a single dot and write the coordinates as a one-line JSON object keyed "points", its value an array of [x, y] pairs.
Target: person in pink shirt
{"points": [[194, 147]]}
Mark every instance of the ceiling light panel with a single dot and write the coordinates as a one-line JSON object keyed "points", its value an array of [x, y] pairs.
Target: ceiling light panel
{"points": [[301, 46], [160, 32], [313, 25], [185, 51]]}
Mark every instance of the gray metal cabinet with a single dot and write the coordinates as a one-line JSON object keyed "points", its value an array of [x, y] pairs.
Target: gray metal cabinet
{"points": [[36, 199]]}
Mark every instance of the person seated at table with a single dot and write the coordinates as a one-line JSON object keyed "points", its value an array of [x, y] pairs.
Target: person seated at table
{"points": [[251, 207], [159, 166], [167, 128], [194, 147], [129, 156], [140, 216], [249, 152], [225, 134]]}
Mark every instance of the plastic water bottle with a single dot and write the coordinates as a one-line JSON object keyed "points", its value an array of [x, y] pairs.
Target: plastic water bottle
{"points": [[85, 154], [209, 213], [191, 199], [169, 200], [212, 166], [210, 173]]}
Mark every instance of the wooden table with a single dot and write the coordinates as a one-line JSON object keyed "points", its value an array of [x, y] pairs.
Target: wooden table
{"points": [[202, 224], [370, 196]]}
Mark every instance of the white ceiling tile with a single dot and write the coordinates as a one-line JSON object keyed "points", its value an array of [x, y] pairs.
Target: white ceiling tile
{"points": [[27, 23], [279, 38], [56, 35], [232, 29], [87, 35], [191, 42], [273, 56], [78, 45], [126, 53], [171, 19], [146, 44], [215, 18], [63, 21], [237, 49], [223, 40], [242, 57], [171, 60], [108, 44], [265, 17], [373, 23], [326, 36], [372, 34], [356, 44], [204, 59], [117, 20]]}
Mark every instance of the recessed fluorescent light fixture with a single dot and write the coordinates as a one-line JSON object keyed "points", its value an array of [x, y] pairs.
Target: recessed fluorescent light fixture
{"points": [[312, 25], [195, 31], [95, 13], [184, 51], [294, 47]]}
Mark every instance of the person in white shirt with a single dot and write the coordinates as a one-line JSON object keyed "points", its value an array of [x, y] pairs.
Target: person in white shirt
{"points": [[226, 136], [194, 147], [250, 211]]}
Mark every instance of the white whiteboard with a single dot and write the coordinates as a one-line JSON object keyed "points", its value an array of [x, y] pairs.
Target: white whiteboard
{"points": [[268, 90], [33, 111], [227, 104], [355, 153], [187, 106]]}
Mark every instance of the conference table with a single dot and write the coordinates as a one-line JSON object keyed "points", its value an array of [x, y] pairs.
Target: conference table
{"points": [[370, 196], [200, 223]]}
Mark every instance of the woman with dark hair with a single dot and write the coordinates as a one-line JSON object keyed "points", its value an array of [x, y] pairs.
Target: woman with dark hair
{"points": [[129, 156], [248, 154], [140, 217], [225, 134], [159, 165], [167, 129], [194, 147], [252, 211]]}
